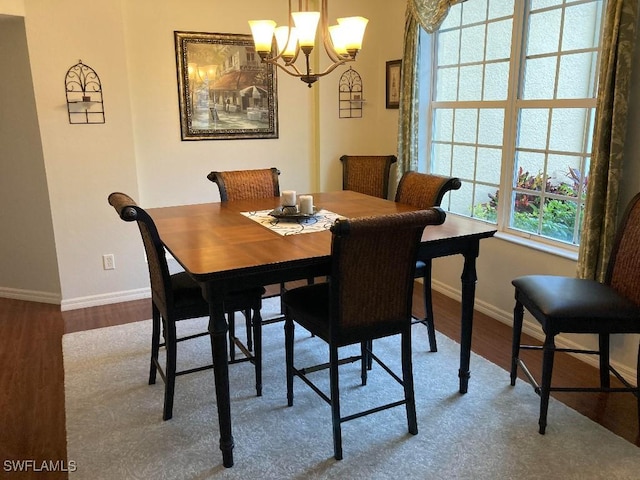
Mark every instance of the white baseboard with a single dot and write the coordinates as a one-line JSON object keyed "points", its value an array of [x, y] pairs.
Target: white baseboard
{"points": [[105, 299], [533, 329], [30, 295]]}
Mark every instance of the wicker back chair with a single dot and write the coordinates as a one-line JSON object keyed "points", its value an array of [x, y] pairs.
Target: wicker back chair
{"points": [[178, 297], [574, 305], [368, 174], [368, 296], [424, 190], [247, 184]]}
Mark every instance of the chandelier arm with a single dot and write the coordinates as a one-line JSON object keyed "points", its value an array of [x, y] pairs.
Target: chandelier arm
{"points": [[333, 66], [326, 37], [287, 68], [274, 58]]}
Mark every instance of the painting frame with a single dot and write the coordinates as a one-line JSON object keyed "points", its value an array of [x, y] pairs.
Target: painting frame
{"points": [[225, 91], [392, 90]]}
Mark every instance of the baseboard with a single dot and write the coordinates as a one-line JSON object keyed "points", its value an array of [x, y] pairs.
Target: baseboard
{"points": [[30, 295], [105, 299], [531, 327]]}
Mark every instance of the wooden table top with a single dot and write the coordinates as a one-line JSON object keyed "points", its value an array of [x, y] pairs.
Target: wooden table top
{"points": [[213, 240]]}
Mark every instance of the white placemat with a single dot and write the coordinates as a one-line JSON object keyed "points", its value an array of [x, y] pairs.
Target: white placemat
{"points": [[294, 226]]}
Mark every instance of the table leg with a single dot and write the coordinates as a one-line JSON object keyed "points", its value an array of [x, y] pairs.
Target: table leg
{"points": [[218, 332], [468, 278]]}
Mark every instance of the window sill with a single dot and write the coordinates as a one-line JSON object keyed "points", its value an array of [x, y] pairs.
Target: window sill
{"points": [[540, 246]]}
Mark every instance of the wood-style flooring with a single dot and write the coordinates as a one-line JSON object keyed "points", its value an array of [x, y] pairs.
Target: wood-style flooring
{"points": [[32, 412]]}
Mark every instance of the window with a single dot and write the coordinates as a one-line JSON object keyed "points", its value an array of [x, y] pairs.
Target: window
{"points": [[513, 87]]}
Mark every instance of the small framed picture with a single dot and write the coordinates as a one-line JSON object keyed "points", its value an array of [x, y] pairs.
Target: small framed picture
{"points": [[394, 67]]}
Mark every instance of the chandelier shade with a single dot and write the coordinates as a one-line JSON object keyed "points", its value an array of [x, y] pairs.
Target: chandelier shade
{"points": [[341, 42]]}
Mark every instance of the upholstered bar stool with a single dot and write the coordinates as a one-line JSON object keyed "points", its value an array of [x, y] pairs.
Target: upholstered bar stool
{"points": [[583, 306]]}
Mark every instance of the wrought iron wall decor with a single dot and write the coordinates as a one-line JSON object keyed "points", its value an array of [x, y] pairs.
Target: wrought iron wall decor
{"points": [[84, 95], [225, 91], [350, 95]]}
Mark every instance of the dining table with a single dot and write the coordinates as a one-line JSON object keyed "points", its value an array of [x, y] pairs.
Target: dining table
{"points": [[227, 246]]}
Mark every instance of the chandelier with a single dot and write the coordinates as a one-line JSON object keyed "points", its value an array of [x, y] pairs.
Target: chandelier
{"points": [[341, 42]]}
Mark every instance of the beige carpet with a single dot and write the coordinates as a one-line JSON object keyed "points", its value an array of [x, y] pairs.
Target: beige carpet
{"points": [[115, 428]]}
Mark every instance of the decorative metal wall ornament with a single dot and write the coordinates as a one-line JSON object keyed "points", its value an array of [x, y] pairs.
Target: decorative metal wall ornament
{"points": [[350, 95], [84, 95], [225, 92]]}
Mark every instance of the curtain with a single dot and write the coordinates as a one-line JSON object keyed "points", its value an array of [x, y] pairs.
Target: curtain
{"points": [[614, 84], [428, 14]]}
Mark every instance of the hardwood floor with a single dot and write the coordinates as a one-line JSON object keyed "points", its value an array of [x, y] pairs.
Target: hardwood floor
{"points": [[32, 414]]}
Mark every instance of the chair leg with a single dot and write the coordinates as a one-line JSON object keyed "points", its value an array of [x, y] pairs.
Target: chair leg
{"points": [[518, 315], [638, 385], [231, 316], [407, 382], [605, 378], [256, 323], [428, 306], [548, 349], [364, 356], [170, 372], [248, 321], [335, 402], [155, 345], [282, 290], [288, 344]]}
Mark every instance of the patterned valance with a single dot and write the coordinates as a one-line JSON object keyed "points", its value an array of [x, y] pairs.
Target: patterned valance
{"points": [[430, 13]]}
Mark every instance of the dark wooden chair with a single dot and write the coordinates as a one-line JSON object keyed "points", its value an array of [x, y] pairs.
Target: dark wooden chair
{"points": [[178, 297], [368, 296], [247, 184], [574, 305], [424, 190], [368, 174]]}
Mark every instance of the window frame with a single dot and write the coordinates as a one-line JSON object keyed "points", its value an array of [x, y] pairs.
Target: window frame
{"points": [[511, 107]]}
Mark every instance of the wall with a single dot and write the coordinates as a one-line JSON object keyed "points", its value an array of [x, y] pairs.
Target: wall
{"points": [[28, 266], [376, 132], [86, 162], [172, 171]]}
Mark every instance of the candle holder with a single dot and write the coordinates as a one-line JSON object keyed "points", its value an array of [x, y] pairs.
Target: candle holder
{"points": [[290, 210]]}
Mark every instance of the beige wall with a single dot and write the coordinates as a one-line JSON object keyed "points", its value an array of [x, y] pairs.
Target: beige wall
{"points": [[28, 265], [138, 150]]}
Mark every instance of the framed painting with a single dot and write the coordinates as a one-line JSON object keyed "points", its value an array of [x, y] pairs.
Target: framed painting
{"points": [[225, 92], [394, 68]]}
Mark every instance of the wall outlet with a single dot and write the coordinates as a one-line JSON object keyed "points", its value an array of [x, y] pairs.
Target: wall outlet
{"points": [[108, 262]]}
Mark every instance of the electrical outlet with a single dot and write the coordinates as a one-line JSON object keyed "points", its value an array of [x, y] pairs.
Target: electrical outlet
{"points": [[108, 262]]}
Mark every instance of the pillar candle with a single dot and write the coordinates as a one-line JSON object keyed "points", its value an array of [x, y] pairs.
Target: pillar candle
{"points": [[306, 204], [288, 198]]}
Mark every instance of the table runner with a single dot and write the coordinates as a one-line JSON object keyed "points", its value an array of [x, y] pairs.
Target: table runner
{"points": [[294, 226]]}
